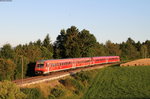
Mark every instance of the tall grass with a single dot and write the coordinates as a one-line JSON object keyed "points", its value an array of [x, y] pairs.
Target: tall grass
{"points": [[32, 93], [120, 83]]}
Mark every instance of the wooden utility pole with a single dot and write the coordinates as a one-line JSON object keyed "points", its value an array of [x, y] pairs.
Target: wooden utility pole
{"points": [[22, 67]]}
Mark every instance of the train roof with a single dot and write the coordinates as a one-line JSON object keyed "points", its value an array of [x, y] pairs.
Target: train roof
{"points": [[104, 56], [75, 58], [61, 59]]}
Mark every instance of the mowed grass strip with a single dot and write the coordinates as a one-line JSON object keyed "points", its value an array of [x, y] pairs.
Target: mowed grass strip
{"points": [[120, 83]]}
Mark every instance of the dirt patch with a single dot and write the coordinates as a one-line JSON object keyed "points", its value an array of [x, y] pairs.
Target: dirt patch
{"points": [[47, 84], [139, 62]]}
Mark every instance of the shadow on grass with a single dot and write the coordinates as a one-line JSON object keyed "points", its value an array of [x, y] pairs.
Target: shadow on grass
{"points": [[116, 65]]}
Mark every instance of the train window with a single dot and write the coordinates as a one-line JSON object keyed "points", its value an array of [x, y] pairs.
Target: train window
{"points": [[102, 59], [53, 65], [97, 59], [86, 61], [40, 65], [65, 63], [48, 64]]}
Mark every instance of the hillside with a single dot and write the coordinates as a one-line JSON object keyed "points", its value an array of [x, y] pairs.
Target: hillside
{"points": [[108, 83], [120, 83]]}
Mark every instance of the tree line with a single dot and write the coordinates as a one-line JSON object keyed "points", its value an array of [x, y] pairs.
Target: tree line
{"points": [[70, 43]]}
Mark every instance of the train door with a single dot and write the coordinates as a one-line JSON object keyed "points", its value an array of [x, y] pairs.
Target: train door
{"points": [[91, 61], [107, 60], [73, 64], [48, 67]]}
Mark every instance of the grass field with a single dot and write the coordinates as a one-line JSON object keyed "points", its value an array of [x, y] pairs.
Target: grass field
{"points": [[120, 83], [108, 83]]}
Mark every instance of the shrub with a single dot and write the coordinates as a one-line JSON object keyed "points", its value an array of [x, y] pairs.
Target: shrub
{"points": [[67, 82], [82, 76], [77, 85], [51, 97], [32, 93], [57, 92], [73, 83], [9, 90]]}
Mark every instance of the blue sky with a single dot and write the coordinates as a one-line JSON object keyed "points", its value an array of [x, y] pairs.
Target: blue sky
{"points": [[22, 21]]}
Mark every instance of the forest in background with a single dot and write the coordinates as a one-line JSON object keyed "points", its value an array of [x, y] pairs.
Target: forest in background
{"points": [[70, 43]]}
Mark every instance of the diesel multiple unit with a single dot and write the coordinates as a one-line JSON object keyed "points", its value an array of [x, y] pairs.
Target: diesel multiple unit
{"points": [[53, 65]]}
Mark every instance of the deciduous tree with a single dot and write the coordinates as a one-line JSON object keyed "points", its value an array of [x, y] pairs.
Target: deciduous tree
{"points": [[112, 49], [7, 52], [7, 68], [87, 42], [9, 90]]}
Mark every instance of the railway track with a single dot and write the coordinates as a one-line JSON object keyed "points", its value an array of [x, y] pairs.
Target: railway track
{"points": [[55, 75]]}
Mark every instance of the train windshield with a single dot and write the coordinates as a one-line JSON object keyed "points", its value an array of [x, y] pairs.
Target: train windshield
{"points": [[40, 65]]}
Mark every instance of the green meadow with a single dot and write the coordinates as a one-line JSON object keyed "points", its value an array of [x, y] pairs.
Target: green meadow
{"points": [[120, 83]]}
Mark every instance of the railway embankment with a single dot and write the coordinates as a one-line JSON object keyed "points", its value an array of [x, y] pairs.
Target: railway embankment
{"points": [[70, 87], [56, 75], [112, 82]]}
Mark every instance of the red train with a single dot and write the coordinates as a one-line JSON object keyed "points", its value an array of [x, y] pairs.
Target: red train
{"points": [[53, 65]]}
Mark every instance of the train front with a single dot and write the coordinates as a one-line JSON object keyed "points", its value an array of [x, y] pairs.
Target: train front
{"points": [[40, 67]]}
